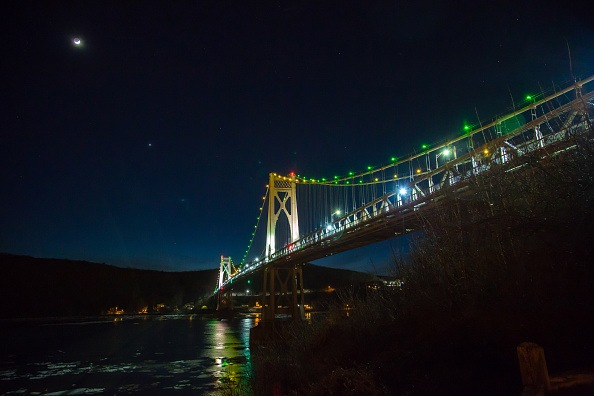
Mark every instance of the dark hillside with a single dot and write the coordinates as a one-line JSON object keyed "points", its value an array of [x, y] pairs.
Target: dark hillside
{"points": [[319, 278], [315, 278], [34, 287], [37, 287]]}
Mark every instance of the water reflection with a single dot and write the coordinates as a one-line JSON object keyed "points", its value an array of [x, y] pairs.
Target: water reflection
{"points": [[145, 354], [228, 346]]}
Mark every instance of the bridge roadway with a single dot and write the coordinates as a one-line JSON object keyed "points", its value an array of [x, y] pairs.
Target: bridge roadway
{"points": [[391, 215]]}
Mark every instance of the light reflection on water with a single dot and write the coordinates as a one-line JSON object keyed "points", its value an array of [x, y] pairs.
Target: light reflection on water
{"points": [[129, 354]]}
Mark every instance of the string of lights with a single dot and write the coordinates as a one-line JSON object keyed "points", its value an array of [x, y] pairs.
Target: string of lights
{"points": [[247, 251], [468, 130]]}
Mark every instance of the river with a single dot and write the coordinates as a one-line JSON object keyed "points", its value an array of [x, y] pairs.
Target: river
{"points": [[180, 354]]}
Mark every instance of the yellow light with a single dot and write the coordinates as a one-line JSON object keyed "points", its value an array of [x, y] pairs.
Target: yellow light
{"points": [[486, 151], [376, 179], [395, 176], [418, 171]]}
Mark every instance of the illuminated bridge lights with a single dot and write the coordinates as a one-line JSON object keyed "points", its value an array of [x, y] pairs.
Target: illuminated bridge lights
{"points": [[421, 176]]}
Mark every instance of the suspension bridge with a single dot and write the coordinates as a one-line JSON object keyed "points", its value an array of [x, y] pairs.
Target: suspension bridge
{"points": [[308, 219]]}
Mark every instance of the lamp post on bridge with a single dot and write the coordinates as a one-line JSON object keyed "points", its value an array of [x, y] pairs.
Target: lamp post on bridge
{"points": [[446, 152], [331, 225]]}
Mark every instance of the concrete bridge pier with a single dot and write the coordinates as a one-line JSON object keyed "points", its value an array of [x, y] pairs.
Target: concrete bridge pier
{"points": [[282, 305], [224, 300], [282, 294]]}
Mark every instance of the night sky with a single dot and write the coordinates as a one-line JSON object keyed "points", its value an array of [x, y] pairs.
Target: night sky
{"points": [[149, 144]]}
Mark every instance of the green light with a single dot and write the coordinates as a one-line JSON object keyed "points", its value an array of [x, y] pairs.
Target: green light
{"points": [[348, 182], [249, 281], [323, 179], [360, 181], [528, 97], [369, 168], [466, 127], [393, 159], [425, 146], [351, 173], [336, 177]]}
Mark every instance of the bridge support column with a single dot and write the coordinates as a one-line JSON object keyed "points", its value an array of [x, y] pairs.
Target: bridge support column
{"points": [[283, 293], [224, 297], [224, 300]]}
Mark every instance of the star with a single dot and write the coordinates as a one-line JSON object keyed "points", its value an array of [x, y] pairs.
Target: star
{"points": [[76, 41]]}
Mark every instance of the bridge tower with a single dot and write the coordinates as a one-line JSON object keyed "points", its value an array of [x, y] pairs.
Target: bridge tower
{"points": [[282, 199], [224, 300], [283, 285]]}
